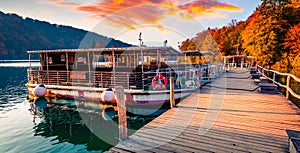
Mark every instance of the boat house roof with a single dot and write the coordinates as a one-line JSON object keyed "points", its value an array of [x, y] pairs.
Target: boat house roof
{"points": [[121, 50], [197, 52]]}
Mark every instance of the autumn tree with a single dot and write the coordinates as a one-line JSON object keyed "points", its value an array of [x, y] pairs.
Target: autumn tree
{"points": [[264, 34], [184, 45], [192, 45], [271, 34], [292, 45], [204, 41]]}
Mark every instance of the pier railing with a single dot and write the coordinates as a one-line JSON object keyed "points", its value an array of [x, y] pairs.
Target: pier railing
{"points": [[129, 80], [285, 80], [236, 65], [84, 78]]}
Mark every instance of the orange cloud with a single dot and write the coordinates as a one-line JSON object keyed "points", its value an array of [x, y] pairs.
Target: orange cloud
{"points": [[131, 13], [64, 3], [228, 8]]}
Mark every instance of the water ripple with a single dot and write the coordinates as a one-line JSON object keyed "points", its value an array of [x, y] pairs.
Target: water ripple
{"points": [[12, 90], [57, 128]]}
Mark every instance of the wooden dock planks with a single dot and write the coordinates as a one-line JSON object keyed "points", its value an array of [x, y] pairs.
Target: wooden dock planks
{"points": [[228, 115]]}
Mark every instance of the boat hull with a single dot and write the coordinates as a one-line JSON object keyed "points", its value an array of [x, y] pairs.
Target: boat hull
{"points": [[132, 97]]}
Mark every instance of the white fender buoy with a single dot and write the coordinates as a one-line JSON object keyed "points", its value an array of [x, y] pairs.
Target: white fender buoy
{"points": [[108, 95], [40, 90]]}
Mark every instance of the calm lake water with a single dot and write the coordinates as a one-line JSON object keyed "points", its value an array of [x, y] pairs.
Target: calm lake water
{"points": [[61, 126]]}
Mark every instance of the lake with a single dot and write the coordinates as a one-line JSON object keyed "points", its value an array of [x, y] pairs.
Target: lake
{"points": [[58, 126]]}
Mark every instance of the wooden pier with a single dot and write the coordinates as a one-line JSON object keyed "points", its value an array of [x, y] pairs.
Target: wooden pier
{"points": [[227, 115]]}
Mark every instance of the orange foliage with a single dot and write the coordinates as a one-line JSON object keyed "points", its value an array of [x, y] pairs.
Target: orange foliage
{"points": [[293, 40], [292, 44]]}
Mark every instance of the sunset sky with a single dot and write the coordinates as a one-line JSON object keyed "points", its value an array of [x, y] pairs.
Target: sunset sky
{"points": [[158, 20]]}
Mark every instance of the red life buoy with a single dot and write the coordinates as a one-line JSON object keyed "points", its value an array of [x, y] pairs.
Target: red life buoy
{"points": [[159, 87]]}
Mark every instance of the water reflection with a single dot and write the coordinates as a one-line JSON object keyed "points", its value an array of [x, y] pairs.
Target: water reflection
{"points": [[56, 126], [80, 122], [12, 89]]}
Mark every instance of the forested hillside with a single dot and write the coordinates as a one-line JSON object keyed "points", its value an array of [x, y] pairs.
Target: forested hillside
{"points": [[271, 33], [17, 35]]}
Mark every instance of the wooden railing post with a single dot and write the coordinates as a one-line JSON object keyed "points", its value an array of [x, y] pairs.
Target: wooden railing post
{"points": [[287, 86], [172, 100], [274, 77], [121, 112], [228, 67]]}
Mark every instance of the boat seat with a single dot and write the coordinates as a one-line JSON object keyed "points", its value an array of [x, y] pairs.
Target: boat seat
{"points": [[263, 80], [256, 76], [252, 70], [268, 88], [294, 141]]}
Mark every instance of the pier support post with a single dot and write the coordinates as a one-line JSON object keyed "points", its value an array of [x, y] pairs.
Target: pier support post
{"points": [[121, 112], [172, 100]]}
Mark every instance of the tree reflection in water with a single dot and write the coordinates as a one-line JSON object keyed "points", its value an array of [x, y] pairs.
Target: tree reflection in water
{"points": [[66, 121]]}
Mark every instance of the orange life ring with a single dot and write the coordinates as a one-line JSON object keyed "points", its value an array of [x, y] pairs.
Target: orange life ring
{"points": [[159, 87]]}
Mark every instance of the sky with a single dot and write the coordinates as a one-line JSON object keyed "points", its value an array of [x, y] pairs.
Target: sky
{"points": [[157, 20]]}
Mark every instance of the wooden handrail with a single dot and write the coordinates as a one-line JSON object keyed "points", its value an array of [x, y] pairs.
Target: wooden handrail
{"points": [[286, 86], [280, 73]]}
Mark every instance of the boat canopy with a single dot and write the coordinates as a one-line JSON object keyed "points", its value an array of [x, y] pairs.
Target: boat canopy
{"points": [[148, 51], [197, 53]]}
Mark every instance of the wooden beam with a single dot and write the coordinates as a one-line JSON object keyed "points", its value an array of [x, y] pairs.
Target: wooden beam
{"points": [[121, 112], [172, 100]]}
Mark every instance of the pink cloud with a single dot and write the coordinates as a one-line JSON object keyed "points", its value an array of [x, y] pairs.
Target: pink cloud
{"points": [[129, 13]]}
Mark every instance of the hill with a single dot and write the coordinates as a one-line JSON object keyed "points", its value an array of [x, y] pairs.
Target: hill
{"points": [[19, 35]]}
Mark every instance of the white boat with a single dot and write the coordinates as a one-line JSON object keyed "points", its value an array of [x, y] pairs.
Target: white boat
{"points": [[93, 74]]}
